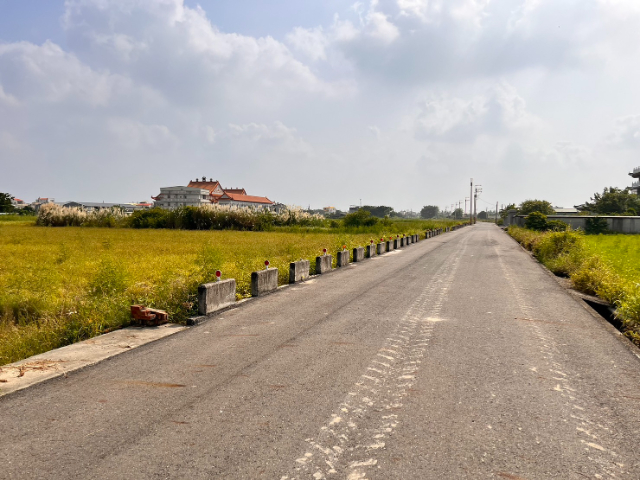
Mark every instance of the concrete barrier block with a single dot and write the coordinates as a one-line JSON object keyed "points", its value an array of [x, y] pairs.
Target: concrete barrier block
{"points": [[216, 295], [323, 264], [390, 245], [299, 271], [358, 254], [381, 248], [370, 250], [264, 281], [397, 243], [343, 258]]}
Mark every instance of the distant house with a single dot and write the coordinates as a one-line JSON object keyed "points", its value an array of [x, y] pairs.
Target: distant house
{"points": [[212, 186], [566, 211], [329, 210], [94, 206], [18, 203], [240, 200], [174, 197], [41, 201], [214, 194], [90, 206]]}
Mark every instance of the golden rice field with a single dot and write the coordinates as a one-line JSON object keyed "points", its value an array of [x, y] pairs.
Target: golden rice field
{"points": [[61, 285]]}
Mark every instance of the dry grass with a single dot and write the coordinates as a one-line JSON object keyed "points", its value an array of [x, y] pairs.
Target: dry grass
{"points": [[61, 285]]}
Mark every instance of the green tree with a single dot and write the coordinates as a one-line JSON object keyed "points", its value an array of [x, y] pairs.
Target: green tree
{"points": [[613, 201], [380, 211], [536, 221], [458, 213], [505, 210], [5, 203], [482, 215], [530, 206], [596, 225], [361, 218], [429, 211]]}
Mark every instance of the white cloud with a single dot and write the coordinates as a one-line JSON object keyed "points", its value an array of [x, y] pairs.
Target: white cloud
{"points": [[311, 42], [276, 135], [132, 135], [626, 132], [147, 93], [379, 27], [176, 50], [567, 154], [45, 73], [452, 119]]}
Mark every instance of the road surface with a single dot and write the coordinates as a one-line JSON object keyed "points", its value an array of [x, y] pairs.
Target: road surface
{"points": [[455, 358]]}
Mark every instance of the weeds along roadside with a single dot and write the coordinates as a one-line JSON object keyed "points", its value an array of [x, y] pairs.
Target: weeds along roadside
{"points": [[62, 285], [568, 254]]}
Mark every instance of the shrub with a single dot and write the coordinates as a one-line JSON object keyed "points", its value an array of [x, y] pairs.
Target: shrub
{"points": [[52, 215], [557, 226], [536, 221], [596, 225], [530, 206], [361, 218], [152, 218], [562, 252]]}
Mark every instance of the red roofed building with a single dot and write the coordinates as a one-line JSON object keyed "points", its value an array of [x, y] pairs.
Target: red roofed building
{"points": [[239, 191], [214, 187], [239, 200], [224, 196]]}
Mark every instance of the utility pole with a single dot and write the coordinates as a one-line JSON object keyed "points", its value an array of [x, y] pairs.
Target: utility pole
{"points": [[496, 213], [466, 199], [471, 203], [475, 203]]}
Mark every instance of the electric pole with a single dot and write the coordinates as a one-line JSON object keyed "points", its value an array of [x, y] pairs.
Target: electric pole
{"points": [[475, 203], [496, 213], [471, 203]]}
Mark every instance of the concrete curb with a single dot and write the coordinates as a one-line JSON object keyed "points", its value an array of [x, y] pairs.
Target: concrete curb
{"points": [[71, 358]]}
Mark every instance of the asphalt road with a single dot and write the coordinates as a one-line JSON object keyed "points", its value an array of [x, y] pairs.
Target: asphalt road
{"points": [[457, 357]]}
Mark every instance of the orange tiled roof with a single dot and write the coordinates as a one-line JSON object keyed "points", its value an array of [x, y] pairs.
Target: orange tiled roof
{"points": [[211, 186], [239, 191], [246, 198]]}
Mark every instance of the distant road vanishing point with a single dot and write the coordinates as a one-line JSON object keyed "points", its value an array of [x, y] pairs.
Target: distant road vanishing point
{"points": [[458, 357]]}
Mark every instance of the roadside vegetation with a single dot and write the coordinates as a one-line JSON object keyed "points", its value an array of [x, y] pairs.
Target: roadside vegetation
{"points": [[604, 265], [62, 285]]}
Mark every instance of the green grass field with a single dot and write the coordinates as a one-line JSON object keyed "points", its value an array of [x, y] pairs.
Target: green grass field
{"points": [[61, 285], [621, 252]]}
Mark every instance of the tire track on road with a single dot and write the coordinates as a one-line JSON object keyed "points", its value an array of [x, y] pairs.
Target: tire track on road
{"points": [[590, 433], [366, 419]]}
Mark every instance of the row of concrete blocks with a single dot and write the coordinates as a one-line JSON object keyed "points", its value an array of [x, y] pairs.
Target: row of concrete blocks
{"points": [[218, 295]]}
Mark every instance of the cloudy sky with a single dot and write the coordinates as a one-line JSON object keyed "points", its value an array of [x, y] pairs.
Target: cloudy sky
{"points": [[395, 102]]}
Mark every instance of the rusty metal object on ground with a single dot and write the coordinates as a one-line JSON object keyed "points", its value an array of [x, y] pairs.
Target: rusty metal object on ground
{"points": [[148, 316]]}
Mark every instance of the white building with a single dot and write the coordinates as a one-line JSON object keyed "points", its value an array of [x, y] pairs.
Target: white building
{"points": [[173, 197]]}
